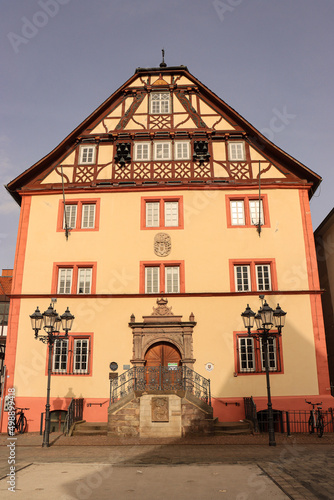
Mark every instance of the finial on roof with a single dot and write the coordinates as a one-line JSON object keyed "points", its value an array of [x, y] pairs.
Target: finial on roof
{"points": [[163, 64]]}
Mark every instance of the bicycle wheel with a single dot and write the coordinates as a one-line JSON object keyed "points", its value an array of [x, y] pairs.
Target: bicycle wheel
{"points": [[310, 425], [22, 424], [320, 426]]}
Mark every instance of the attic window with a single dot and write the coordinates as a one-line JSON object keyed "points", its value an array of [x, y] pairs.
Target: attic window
{"points": [[160, 103], [236, 151], [87, 154]]}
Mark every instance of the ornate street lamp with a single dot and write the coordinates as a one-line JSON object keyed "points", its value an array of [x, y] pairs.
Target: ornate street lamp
{"points": [[51, 322], [265, 319]]}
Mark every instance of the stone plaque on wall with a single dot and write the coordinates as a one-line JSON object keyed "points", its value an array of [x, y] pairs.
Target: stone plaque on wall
{"points": [[160, 410]]}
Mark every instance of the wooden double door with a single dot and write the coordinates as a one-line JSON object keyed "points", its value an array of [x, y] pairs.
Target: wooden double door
{"points": [[163, 367]]}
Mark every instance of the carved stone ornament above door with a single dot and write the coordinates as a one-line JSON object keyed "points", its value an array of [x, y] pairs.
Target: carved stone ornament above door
{"points": [[162, 326]]}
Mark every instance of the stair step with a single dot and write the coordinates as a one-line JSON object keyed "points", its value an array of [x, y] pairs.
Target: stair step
{"points": [[91, 429], [241, 427]]}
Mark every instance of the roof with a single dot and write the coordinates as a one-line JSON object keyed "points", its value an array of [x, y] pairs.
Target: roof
{"points": [[325, 224], [253, 135], [5, 285]]}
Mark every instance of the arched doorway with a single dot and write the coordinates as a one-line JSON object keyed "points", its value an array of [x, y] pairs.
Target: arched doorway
{"points": [[163, 354], [163, 367]]}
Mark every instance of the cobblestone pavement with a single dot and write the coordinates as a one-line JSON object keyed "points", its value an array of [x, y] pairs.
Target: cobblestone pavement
{"points": [[302, 466]]}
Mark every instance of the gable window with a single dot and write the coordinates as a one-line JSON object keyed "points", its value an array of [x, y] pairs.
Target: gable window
{"points": [[247, 211], [80, 215], [236, 151], [162, 277], [182, 150], [162, 151], [250, 354], [71, 356], [259, 275], [160, 103], [77, 278], [166, 212], [142, 151], [87, 155]]}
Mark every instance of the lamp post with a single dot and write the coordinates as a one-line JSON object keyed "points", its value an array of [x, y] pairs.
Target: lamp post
{"points": [[51, 322], [265, 319]]}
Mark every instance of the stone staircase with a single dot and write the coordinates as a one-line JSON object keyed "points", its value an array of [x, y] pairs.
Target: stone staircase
{"points": [[232, 428], [90, 429]]}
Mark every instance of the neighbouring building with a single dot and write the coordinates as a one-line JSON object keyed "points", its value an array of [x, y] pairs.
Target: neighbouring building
{"points": [[179, 214], [324, 241], [5, 288]]}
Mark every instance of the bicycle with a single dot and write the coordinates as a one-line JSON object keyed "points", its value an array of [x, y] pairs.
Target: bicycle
{"points": [[316, 420], [20, 422]]}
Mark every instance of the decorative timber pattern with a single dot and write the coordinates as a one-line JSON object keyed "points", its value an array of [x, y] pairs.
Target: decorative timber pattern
{"points": [[131, 111]]}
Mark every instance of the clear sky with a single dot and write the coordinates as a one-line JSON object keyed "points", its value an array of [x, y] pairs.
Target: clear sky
{"points": [[62, 58]]}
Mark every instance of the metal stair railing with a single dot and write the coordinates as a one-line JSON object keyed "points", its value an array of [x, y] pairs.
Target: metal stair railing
{"points": [[160, 379]]}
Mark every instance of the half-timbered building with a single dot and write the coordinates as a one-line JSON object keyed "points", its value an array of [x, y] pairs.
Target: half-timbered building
{"points": [[156, 221]]}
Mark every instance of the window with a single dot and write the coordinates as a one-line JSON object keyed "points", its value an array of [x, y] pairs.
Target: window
{"points": [[152, 279], [88, 216], [162, 151], [84, 280], [71, 356], [182, 150], [246, 354], [237, 213], [4, 312], [70, 216], [250, 354], [142, 151], [258, 274], [162, 213], [160, 103], [87, 154], [263, 280], [236, 151], [246, 211], [81, 215], [162, 277], [272, 354], [256, 212], [80, 356], [242, 278], [74, 278], [60, 355], [65, 280]]}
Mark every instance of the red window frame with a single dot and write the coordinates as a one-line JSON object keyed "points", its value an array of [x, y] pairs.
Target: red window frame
{"points": [[161, 266], [69, 372], [79, 203], [161, 200], [246, 198], [257, 356], [75, 266], [252, 263]]}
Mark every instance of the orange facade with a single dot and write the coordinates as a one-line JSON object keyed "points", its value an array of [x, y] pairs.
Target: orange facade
{"points": [[167, 192]]}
